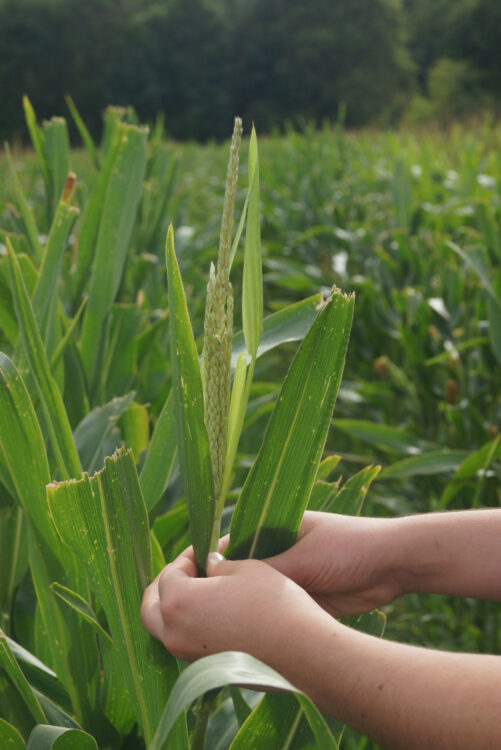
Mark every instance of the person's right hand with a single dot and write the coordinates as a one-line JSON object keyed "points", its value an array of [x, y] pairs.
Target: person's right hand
{"points": [[346, 563]]}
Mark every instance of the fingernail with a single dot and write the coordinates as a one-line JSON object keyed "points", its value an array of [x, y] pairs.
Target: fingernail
{"points": [[215, 557]]}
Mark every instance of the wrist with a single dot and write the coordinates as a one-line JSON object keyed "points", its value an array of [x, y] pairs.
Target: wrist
{"points": [[418, 553]]}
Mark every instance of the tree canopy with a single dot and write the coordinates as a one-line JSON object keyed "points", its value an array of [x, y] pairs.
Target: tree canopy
{"points": [[200, 62]]}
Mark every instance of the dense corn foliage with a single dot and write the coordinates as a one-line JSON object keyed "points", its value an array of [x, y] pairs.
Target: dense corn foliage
{"points": [[100, 354]]}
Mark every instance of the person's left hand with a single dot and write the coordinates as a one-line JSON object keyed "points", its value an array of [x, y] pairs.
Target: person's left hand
{"points": [[241, 606]]}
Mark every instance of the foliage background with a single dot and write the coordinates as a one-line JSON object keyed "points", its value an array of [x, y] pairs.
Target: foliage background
{"points": [[200, 62]]}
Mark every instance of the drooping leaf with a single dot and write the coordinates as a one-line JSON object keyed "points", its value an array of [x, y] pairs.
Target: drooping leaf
{"points": [[290, 324], [92, 434], [433, 462], [78, 603], [232, 667], [42, 679], [276, 491], [10, 739], [60, 738], [19, 683], [383, 436]]}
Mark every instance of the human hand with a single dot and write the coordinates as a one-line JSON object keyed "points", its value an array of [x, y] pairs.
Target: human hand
{"points": [[241, 606], [347, 564]]}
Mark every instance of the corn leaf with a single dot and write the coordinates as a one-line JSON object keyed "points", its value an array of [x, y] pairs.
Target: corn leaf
{"points": [[382, 436], [192, 438], [160, 456], [276, 491], [82, 129], [93, 433], [433, 462], [78, 603], [19, 683], [120, 201], [50, 396], [232, 667], [252, 290], [290, 324], [350, 498], [30, 226], [104, 520], [44, 296], [42, 679], [37, 138], [60, 738], [56, 145], [22, 445], [10, 739]]}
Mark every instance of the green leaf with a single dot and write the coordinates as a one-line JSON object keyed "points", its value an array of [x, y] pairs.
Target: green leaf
{"points": [[82, 129], [433, 462], [192, 438], [161, 455], [327, 466], [45, 294], [22, 445], [42, 679], [19, 683], [382, 436], [242, 708], [117, 216], [289, 324], [475, 466], [89, 226], [37, 138], [276, 491], [60, 738], [56, 145], [30, 226], [50, 396], [322, 494], [135, 429], [277, 723], [78, 603], [92, 434], [474, 262], [494, 308], [10, 739], [351, 496], [252, 290], [232, 667], [104, 520]]}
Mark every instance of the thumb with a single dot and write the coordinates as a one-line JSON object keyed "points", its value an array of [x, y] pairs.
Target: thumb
{"points": [[217, 565], [288, 563]]}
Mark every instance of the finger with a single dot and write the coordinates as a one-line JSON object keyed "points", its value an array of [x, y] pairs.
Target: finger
{"points": [[151, 616], [223, 543], [180, 571], [217, 565]]}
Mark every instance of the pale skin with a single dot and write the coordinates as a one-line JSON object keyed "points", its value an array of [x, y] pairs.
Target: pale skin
{"points": [[400, 695]]}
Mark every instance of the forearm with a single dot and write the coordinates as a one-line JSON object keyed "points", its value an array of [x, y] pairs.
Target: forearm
{"points": [[401, 696], [456, 553]]}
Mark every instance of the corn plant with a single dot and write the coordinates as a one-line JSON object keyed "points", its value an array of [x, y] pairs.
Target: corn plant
{"points": [[83, 531]]}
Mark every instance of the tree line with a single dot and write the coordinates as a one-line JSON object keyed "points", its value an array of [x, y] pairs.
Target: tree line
{"points": [[274, 62]]}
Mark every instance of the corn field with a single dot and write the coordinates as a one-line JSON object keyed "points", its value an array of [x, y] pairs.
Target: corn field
{"points": [[174, 331]]}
